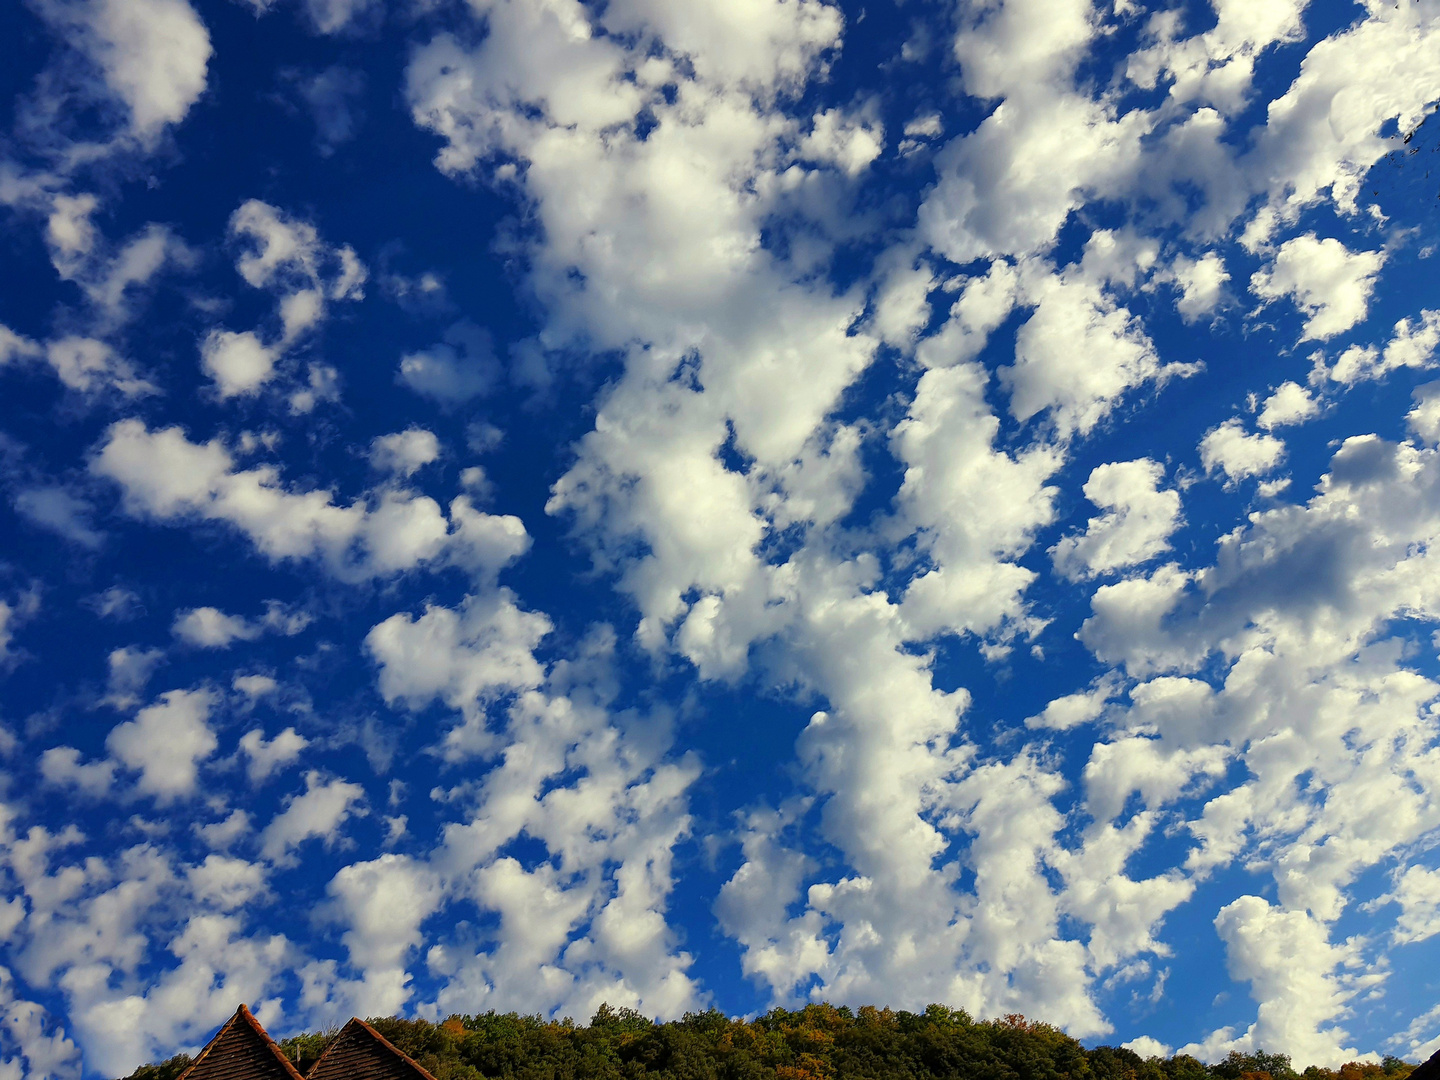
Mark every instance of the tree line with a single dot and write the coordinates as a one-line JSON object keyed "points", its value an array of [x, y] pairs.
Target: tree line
{"points": [[817, 1042]]}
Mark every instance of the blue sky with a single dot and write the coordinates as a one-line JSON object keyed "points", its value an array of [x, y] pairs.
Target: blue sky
{"points": [[525, 503]]}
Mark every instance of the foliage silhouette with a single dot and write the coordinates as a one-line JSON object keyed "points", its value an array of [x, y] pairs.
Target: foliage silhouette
{"points": [[817, 1042]]}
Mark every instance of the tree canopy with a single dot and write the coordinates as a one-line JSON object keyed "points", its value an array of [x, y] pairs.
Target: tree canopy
{"points": [[817, 1042]]}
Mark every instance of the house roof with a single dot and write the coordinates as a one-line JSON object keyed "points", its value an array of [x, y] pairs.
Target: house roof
{"points": [[360, 1052], [241, 1050]]}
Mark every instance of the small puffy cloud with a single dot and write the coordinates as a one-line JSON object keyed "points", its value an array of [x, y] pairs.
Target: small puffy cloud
{"points": [[166, 742], [1412, 345], [1081, 351], [116, 602], [1231, 450], [286, 256], [166, 476], [461, 367], [1296, 974], [1072, 710], [222, 835], [332, 99], [919, 130], [282, 252], [130, 671], [269, 756], [90, 366], [1291, 403], [1424, 418], [382, 904], [465, 658], [16, 347], [1328, 283], [1417, 891], [238, 362], [106, 275], [1202, 285], [254, 686], [61, 512], [226, 883], [319, 811], [13, 613], [153, 55], [335, 16], [61, 766], [1136, 528], [849, 142], [69, 232], [404, 452], [1148, 1047], [210, 628]]}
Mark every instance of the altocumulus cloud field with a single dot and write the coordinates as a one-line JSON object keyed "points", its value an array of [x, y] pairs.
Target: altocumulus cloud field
{"points": [[530, 503]]}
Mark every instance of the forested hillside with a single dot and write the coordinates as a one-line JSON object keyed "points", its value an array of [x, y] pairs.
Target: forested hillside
{"points": [[818, 1042]]}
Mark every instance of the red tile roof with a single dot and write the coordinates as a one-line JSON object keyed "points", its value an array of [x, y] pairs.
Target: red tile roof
{"points": [[241, 1050], [360, 1052]]}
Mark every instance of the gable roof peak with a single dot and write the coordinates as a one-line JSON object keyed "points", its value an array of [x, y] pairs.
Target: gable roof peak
{"points": [[360, 1052], [241, 1050]]}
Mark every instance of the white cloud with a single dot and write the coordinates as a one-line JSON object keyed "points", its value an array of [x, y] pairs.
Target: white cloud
{"points": [[849, 142], [221, 835], [1072, 710], [1417, 891], [1080, 352], [130, 670], [167, 477], [61, 512], [1424, 418], [255, 686], [16, 347], [1330, 285], [1413, 345], [287, 256], [1136, 528], [1007, 188], [467, 659], [166, 742], [317, 812], [1147, 1047], [1290, 404], [238, 362], [382, 903], [61, 766], [270, 756], [405, 452], [14, 614], [331, 98], [210, 628], [1202, 285], [226, 883], [108, 276], [1228, 448], [460, 367], [1291, 966], [153, 55], [334, 16], [1323, 135], [90, 366], [1022, 45], [951, 496], [116, 602], [36, 1048]]}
